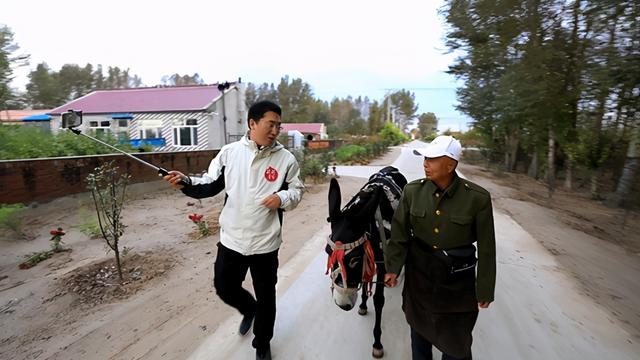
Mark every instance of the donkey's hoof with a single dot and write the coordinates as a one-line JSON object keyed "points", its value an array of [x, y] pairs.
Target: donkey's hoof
{"points": [[377, 353], [362, 311]]}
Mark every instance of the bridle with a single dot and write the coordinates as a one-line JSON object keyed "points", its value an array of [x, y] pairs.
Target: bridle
{"points": [[340, 250]]}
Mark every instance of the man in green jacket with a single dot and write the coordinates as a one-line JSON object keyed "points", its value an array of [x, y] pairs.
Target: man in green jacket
{"points": [[432, 235]]}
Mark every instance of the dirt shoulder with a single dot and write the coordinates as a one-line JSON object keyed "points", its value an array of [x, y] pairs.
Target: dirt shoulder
{"points": [[597, 245], [52, 311]]}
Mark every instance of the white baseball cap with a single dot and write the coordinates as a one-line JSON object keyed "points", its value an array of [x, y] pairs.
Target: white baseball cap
{"points": [[443, 145]]}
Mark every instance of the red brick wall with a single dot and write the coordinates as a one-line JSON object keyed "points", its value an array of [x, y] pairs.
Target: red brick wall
{"points": [[40, 180]]}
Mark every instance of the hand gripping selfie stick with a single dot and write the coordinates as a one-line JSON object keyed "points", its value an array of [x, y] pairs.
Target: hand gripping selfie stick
{"points": [[72, 119]]}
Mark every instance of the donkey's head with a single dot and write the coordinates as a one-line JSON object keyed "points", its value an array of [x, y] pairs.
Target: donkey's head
{"points": [[346, 246]]}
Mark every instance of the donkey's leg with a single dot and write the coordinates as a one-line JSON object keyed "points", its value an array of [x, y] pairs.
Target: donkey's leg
{"points": [[362, 310], [378, 303]]}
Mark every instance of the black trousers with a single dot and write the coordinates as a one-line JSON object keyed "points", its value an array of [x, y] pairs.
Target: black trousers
{"points": [[421, 349], [229, 272]]}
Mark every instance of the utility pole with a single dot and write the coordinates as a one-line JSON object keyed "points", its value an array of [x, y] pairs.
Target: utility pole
{"points": [[222, 88]]}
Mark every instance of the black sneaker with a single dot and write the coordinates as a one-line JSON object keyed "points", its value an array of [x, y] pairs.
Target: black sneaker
{"points": [[245, 324], [263, 355]]}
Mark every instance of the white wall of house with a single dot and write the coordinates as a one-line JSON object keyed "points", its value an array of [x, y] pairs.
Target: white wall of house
{"points": [[236, 111], [96, 123]]}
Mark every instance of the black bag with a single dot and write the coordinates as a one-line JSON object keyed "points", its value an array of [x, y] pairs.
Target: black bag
{"points": [[460, 260]]}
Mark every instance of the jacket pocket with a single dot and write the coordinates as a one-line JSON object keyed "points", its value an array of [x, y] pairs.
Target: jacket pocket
{"points": [[461, 219], [460, 229], [418, 212]]}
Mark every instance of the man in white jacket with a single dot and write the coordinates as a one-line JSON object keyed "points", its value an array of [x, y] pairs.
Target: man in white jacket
{"points": [[261, 180]]}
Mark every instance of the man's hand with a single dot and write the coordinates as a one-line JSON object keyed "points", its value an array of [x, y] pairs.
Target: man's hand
{"points": [[390, 280], [484, 304], [271, 202], [174, 178]]}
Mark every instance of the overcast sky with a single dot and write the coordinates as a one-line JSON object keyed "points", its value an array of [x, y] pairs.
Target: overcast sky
{"points": [[340, 48]]}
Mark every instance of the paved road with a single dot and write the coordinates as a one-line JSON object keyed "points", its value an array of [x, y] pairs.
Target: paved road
{"points": [[539, 312]]}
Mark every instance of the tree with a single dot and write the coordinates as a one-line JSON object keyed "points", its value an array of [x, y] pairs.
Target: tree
{"points": [[296, 98], [549, 78], [624, 189], [345, 118], [8, 60], [108, 189], [74, 81], [376, 118], [43, 91], [428, 125], [182, 80], [49, 89], [403, 106]]}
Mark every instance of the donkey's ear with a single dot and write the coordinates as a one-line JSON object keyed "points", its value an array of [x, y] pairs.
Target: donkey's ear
{"points": [[334, 198]]}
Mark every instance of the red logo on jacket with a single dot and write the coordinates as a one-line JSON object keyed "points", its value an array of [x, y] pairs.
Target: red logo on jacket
{"points": [[271, 174]]}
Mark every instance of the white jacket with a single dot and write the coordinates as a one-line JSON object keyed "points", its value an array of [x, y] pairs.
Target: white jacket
{"points": [[249, 175]]}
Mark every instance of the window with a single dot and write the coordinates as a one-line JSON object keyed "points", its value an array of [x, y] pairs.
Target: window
{"points": [[150, 129], [100, 127], [122, 131], [185, 132]]}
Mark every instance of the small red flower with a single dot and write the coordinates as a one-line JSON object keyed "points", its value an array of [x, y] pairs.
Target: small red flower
{"points": [[57, 231], [195, 217]]}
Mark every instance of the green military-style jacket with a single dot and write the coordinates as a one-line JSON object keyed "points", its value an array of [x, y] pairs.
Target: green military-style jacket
{"points": [[460, 215]]}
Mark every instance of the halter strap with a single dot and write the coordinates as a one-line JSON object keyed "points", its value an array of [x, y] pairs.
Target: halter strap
{"points": [[346, 247]]}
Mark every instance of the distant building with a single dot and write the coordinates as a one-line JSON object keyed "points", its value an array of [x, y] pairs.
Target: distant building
{"points": [[22, 117], [168, 118], [317, 131]]}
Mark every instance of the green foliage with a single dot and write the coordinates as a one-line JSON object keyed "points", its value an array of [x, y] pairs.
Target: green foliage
{"points": [[11, 217], [351, 153], [391, 135], [48, 88], [8, 60], [345, 118], [35, 258], [544, 72], [471, 138], [403, 105], [376, 118], [313, 167], [428, 126], [26, 142]]}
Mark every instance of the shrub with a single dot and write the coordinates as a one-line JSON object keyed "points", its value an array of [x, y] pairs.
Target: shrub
{"points": [[23, 142], [313, 167], [391, 135], [350, 153]]}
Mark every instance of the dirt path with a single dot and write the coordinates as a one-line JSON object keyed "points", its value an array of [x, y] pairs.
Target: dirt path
{"points": [[594, 244], [166, 317]]}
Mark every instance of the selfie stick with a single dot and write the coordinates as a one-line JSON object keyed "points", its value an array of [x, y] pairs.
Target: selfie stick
{"points": [[73, 116]]}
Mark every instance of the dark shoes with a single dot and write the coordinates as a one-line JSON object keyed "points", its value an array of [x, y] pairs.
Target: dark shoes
{"points": [[263, 355], [245, 324]]}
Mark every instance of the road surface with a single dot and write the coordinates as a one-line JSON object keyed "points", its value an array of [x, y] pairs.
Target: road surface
{"points": [[539, 311]]}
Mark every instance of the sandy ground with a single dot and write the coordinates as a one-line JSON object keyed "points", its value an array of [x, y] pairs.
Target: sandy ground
{"points": [[167, 317], [556, 280]]}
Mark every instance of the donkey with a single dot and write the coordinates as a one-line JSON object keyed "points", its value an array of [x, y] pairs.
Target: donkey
{"points": [[356, 245]]}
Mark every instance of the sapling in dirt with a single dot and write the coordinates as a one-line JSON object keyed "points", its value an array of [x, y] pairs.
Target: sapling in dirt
{"points": [[108, 189]]}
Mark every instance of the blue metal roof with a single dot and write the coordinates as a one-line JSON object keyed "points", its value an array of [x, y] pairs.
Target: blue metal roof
{"points": [[39, 117], [156, 142], [127, 116]]}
